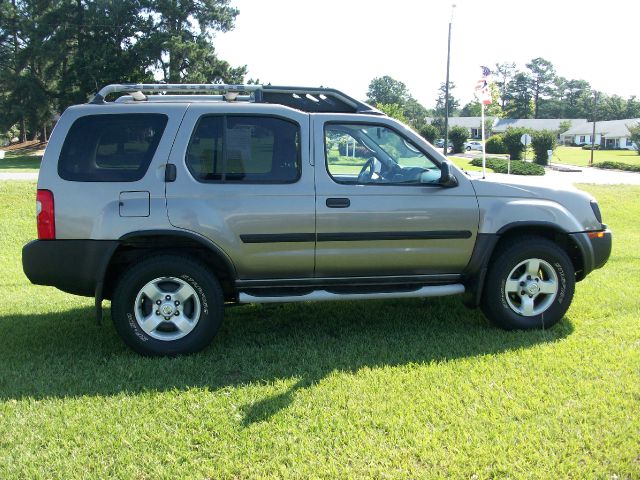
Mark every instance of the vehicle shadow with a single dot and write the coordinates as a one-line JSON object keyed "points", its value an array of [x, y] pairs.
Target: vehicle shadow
{"points": [[67, 355]]}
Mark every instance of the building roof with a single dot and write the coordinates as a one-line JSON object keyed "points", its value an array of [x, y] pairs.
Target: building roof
{"points": [[609, 128], [553, 124], [467, 122]]}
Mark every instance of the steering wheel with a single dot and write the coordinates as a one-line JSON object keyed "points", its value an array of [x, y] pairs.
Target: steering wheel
{"points": [[367, 171]]}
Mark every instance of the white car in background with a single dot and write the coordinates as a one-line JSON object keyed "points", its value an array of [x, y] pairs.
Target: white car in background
{"points": [[472, 146]]}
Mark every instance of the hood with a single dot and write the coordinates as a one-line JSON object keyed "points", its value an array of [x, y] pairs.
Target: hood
{"points": [[529, 186]]}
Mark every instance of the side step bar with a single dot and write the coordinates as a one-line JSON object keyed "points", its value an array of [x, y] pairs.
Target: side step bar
{"points": [[323, 295]]}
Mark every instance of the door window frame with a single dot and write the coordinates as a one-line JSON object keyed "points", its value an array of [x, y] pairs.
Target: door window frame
{"points": [[223, 180], [374, 124]]}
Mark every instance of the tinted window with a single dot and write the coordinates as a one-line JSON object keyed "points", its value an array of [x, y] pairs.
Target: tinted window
{"points": [[244, 149], [110, 148], [375, 154]]}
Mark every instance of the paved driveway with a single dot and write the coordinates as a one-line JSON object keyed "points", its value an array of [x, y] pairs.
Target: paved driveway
{"points": [[18, 175]]}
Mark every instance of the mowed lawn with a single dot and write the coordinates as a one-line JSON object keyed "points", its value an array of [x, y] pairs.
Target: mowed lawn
{"points": [[380, 389], [19, 161], [578, 156]]}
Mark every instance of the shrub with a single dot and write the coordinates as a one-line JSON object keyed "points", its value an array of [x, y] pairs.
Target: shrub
{"points": [[429, 133], [588, 147], [518, 167], [458, 135], [495, 144], [511, 140], [617, 166], [542, 141]]}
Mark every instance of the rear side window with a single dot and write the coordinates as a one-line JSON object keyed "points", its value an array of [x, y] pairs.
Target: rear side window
{"points": [[244, 149], [110, 148]]}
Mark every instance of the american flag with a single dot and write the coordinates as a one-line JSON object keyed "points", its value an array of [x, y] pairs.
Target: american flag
{"points": [[482, 86]]}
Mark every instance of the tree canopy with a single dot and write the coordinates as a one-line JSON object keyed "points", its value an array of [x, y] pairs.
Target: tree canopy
{"points": [[57, 53]]}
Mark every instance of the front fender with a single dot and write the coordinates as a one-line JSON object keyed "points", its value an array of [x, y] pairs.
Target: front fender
{"points": [[497, 213]]}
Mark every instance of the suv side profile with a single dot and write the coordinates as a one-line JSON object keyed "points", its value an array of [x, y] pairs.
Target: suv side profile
{"points": [[175, 205]]}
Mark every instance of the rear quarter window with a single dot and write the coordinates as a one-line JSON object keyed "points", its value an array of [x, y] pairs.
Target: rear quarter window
{"points": [[110, 148]]}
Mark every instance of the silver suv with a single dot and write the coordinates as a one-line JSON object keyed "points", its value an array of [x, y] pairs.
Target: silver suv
{"points": [[176, 204]]}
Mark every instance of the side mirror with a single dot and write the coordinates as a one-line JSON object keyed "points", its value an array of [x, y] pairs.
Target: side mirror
{"points": [[447, 179]]}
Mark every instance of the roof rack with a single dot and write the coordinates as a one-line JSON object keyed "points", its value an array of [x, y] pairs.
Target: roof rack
{"points": [[317, 100]]}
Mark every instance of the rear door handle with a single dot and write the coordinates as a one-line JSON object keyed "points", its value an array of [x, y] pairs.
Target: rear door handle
{"points": [[338, 202]]}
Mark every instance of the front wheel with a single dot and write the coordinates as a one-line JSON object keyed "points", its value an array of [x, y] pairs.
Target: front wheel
{"points": [[167, 305], [529, 285]]}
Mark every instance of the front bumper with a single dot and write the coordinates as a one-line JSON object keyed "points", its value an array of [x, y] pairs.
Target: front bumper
{"points": [[73, 266], [601, 248], [595, 248]]}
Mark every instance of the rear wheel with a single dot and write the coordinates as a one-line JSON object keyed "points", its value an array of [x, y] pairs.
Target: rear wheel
{"points": [[167, 305], [529, 284]]}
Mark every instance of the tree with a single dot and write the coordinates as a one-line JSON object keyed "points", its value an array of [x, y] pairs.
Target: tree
{"points": [[634, 131], [440, 101], [387, 90], [541, 142], [511, 139], [458, 135], [541, 81], [392, 110], [633, 108], [430, 133], [415, 113], [519, 99], [564, 126], [504, 74], [54, 54]]}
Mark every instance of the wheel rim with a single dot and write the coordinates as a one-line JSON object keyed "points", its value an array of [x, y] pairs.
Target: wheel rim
{"points": [[531, 287], [167, 308]]}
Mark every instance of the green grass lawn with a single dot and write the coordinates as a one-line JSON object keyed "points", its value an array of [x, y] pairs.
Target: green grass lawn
{"points": [[379, 389], [20, 162], [578, 156], [465, 163]]}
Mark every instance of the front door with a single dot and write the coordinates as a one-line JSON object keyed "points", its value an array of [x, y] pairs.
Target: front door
{"points": [[380, 209]]}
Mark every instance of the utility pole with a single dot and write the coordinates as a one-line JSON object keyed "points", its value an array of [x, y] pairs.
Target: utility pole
{"points": [[593, 134], [446, 89]]}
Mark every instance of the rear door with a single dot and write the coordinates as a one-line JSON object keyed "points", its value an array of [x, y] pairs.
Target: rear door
{"points": [[245, 182], [380, 210]]}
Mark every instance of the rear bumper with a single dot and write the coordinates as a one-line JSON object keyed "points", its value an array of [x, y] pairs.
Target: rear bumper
{"points": [[73, 266]]}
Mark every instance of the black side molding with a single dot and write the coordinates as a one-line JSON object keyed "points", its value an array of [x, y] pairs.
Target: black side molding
{"points": [[353, 236]]}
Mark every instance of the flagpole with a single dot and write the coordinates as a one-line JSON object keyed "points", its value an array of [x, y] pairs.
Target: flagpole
{"points": [[484, 155]]}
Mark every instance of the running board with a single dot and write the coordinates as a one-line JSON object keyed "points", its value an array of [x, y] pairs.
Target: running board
{"points": [[323, 295]]}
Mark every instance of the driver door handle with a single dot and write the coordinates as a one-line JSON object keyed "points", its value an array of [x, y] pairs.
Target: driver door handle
{"points": [[338, 202]]}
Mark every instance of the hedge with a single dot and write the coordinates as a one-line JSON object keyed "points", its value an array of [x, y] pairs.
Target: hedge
{"points": [[617, 166], [518, 167]]}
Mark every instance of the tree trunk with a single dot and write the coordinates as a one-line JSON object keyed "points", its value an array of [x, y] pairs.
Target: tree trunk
{"points": [[23, 130]]}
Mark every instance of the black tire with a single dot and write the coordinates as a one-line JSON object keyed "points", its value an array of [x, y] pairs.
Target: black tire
{"points": [[206, 303], [496, 300]]}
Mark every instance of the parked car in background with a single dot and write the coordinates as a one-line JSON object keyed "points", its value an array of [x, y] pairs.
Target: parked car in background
{"points": [[473, 146]]}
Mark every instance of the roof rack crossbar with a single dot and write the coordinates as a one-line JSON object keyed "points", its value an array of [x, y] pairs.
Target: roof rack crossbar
{"points": [[171, 87]]}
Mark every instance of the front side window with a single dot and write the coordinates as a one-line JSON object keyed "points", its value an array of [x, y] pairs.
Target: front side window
{"points": [[110, 148], [375, 154], [244, 149]]}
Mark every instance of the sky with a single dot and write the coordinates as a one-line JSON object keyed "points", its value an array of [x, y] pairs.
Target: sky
{"points": [[344, 44]]}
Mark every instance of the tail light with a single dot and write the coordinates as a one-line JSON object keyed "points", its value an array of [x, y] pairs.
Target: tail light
{"points": [[46, 215]]}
